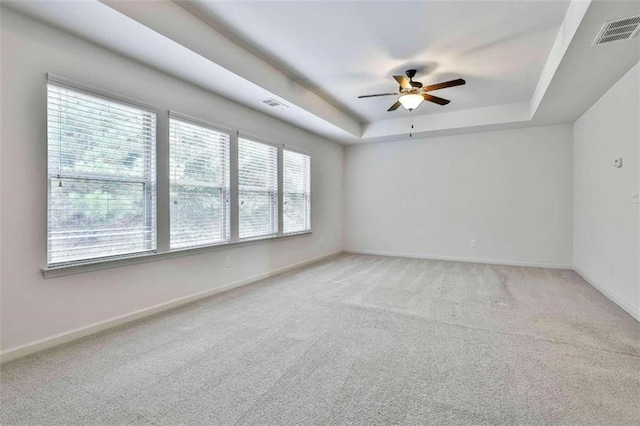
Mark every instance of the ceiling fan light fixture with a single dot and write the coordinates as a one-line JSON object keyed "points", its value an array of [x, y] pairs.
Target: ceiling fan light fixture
{"points": [[410, 101]]}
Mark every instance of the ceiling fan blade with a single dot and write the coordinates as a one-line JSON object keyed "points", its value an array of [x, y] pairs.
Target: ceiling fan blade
{"points": [[403, 81], [435, 99], [444, 85], [379, 94], [394, 106]]}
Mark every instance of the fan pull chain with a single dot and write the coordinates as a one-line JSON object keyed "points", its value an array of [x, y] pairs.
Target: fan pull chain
{"points": [[411, 121]]}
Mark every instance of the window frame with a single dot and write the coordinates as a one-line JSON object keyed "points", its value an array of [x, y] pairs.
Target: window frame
{"points": [[197, 122], [278, 197], [161, 185], [303, 152], [150, 185]]}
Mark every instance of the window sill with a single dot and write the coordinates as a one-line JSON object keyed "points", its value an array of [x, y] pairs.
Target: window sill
{"points": [[80, 268]]}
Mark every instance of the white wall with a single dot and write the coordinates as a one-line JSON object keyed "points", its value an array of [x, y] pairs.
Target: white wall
{"points": [[34, 308], [510, 190], [606, 226]]}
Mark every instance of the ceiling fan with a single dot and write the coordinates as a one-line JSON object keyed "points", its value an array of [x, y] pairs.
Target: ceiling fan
{"points": [[412, 93]]}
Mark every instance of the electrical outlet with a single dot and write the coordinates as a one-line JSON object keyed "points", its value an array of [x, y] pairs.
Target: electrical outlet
{"points": [[321, 241], [635, 198], [227, 262], [474, 243]]}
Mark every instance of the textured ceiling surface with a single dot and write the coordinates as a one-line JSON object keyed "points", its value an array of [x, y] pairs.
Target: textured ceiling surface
{"points": [[345, 49], [526, 62]]}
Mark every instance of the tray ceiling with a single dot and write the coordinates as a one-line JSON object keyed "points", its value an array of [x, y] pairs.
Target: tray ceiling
{"points": [[345, 49], [526, 63]]}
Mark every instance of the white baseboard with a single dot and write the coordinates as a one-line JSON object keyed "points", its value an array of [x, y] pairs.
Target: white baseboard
{"points": [[69, 336], [460, 259], [78, 333], [634, 312]]}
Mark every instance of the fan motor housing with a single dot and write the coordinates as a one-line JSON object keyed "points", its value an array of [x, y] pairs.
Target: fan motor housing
{"points": [[411, 74]]}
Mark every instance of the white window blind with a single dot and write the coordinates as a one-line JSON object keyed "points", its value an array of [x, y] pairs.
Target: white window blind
{"points": [[296, 192], [101, 169], [199, 174], [257, 189]]}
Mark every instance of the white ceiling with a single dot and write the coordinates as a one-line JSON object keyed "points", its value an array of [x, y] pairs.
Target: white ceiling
{"points": [[346, 49], [526, 62]]}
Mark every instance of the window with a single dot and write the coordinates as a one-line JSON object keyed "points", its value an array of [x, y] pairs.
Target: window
{"points": [[257, 189], [102, 188], [296, 187], [199, 174], [101, 172]]}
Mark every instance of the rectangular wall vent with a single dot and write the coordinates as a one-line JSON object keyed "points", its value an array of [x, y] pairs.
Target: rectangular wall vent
{"points": [[621, 29], [273, 103]]}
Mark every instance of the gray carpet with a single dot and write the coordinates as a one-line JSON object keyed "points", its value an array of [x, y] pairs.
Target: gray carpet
{"points": [[352, 340]]}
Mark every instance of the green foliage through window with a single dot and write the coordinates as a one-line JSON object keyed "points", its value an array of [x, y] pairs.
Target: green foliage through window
{"points": [[199, 174], [101, 162]]}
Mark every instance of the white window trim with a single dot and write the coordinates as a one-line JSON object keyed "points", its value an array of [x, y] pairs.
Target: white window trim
{"points": [[162, 184], [299, 151], [216, 127], [90, 90], [81, 268], [253, 138]]}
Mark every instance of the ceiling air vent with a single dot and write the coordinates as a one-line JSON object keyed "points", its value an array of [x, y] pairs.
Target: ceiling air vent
{"points": [[273, 103], [621, 29]]}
